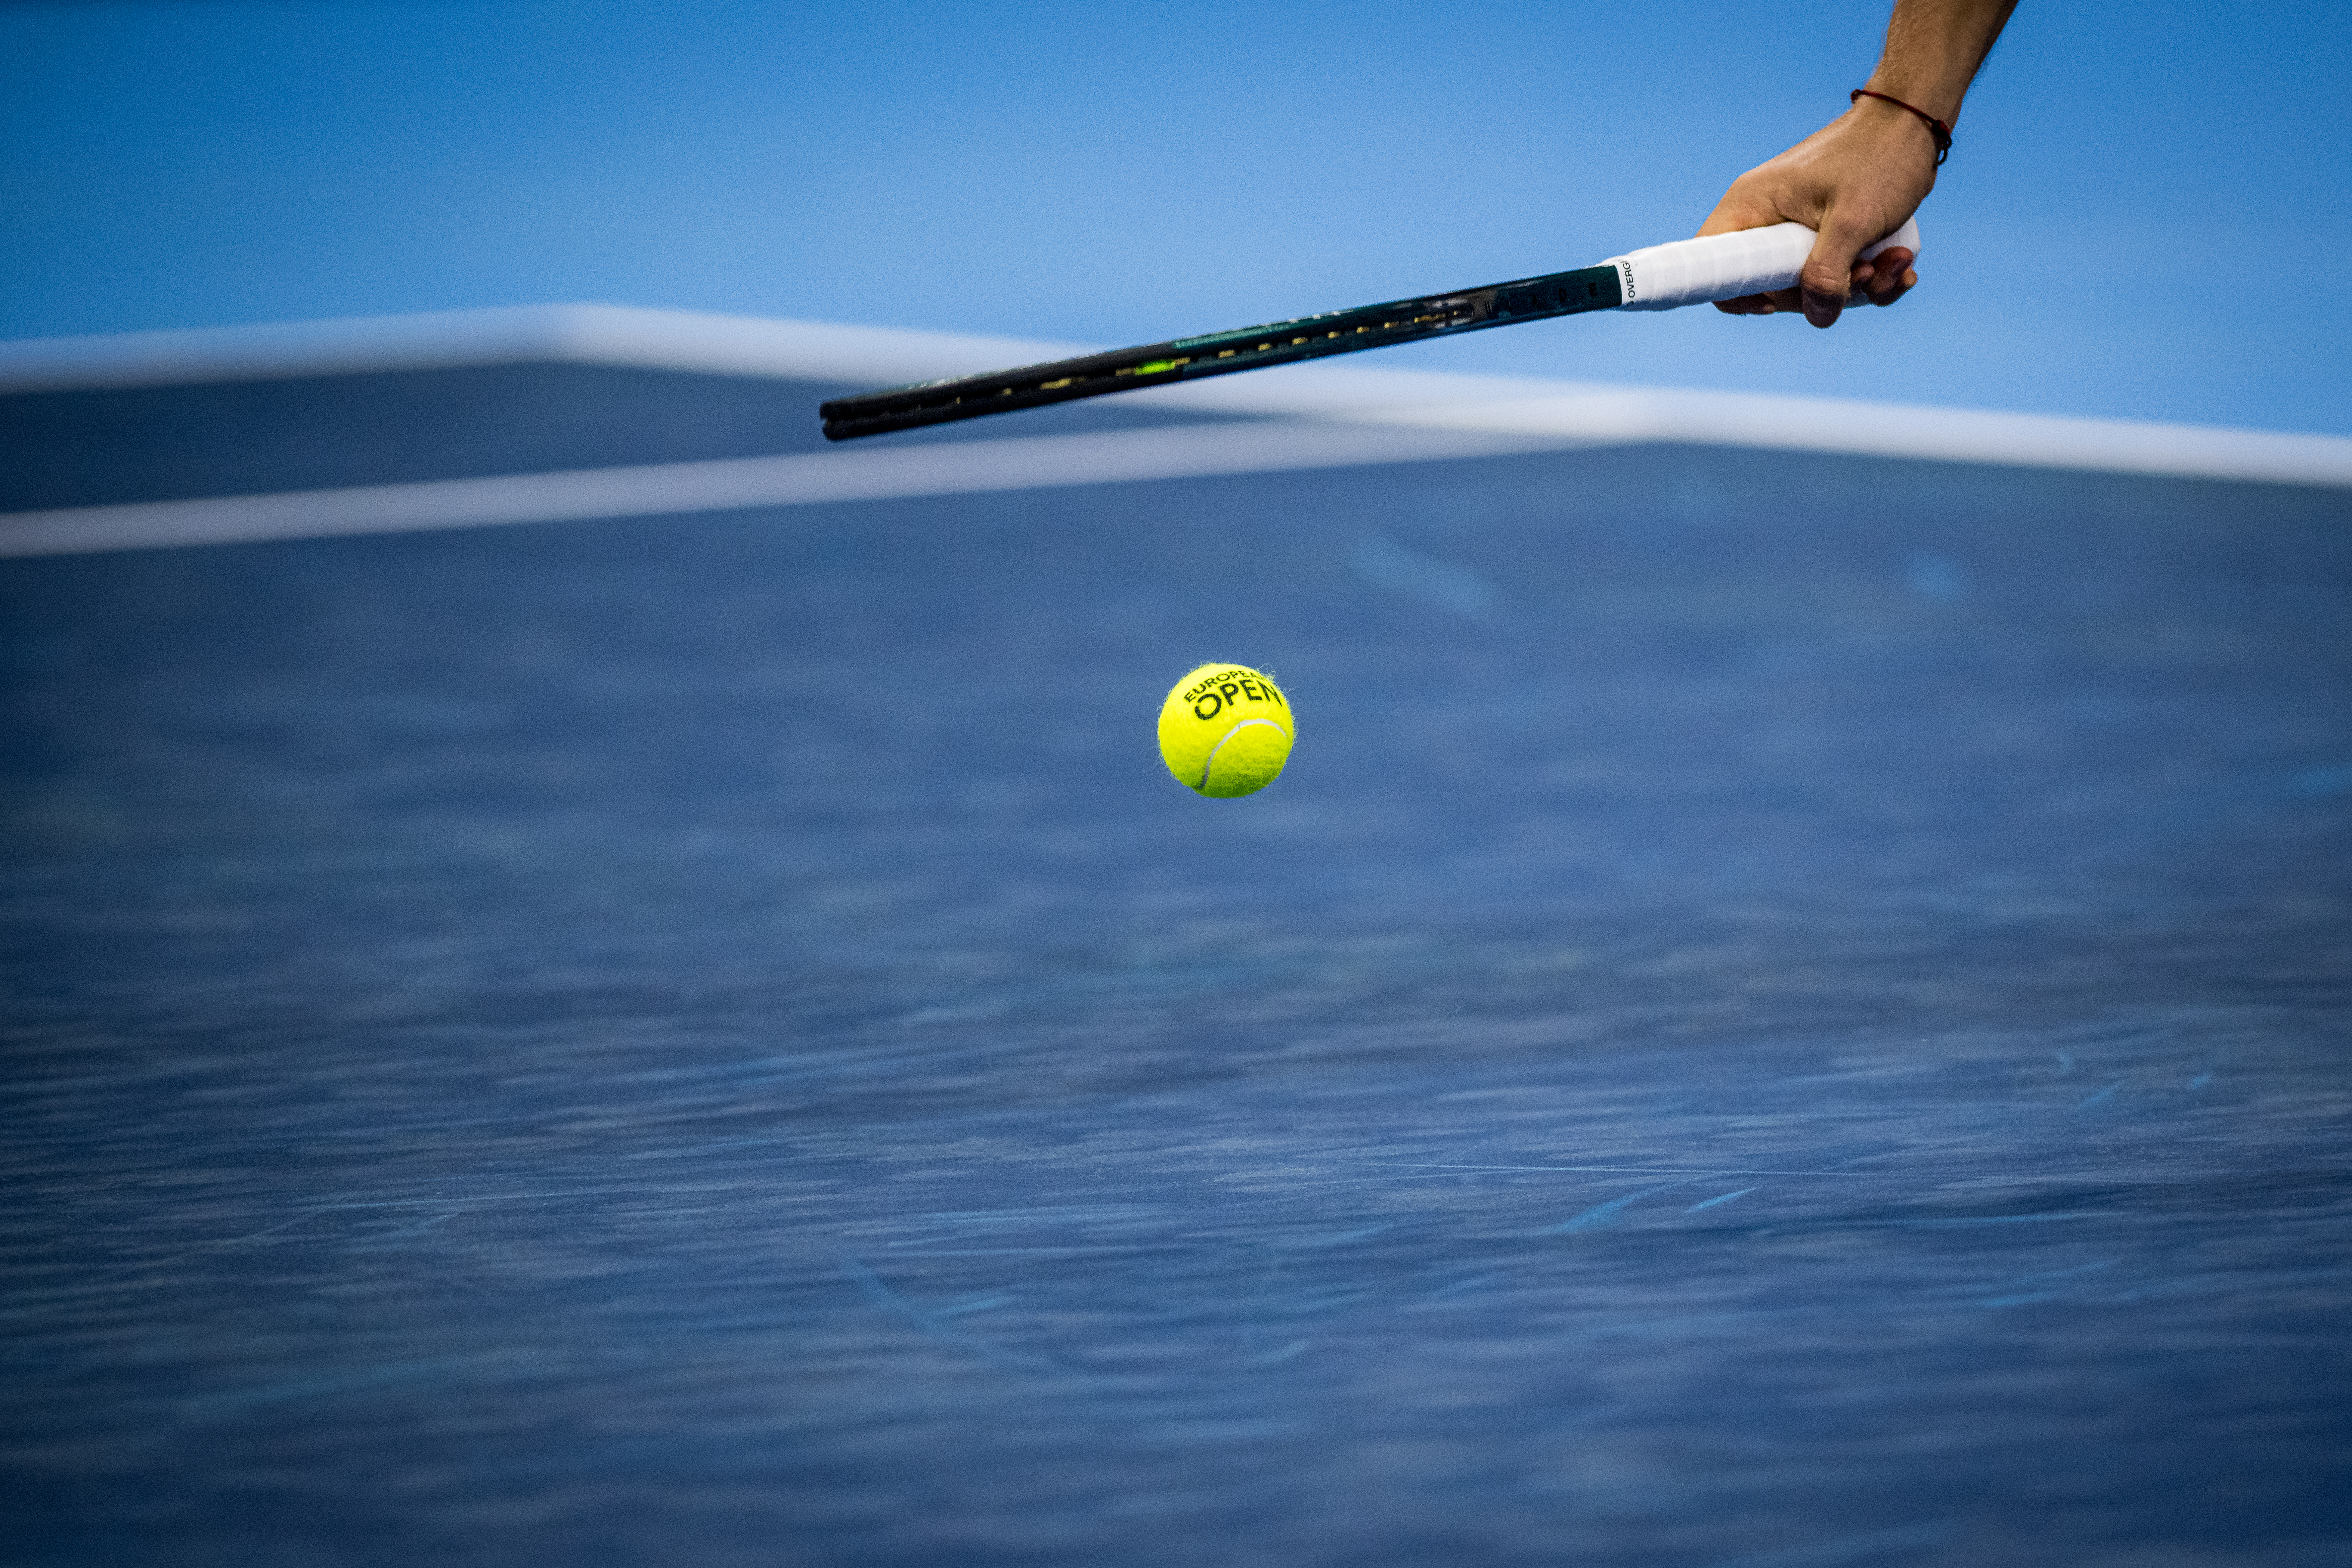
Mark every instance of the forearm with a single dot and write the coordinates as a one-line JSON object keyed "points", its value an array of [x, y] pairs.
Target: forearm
{"points": [[1934, 48]]}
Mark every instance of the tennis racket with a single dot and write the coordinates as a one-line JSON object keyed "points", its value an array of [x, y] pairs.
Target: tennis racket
{"points": [[1658, 278]]}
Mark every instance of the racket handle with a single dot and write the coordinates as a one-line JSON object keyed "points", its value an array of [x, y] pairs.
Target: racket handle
{"points": [[1727, 266]]}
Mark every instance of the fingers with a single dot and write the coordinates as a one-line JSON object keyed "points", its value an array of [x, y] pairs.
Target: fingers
{"points": [[1836, 275], [1881, 280], [1831, 274], [1773, 304], [1887, 277]]}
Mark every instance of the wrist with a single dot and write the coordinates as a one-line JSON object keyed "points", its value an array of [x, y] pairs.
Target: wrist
{"points": [[1927, 94], [1872, 102]]}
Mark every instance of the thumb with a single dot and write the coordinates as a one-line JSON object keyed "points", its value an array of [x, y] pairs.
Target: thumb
{"points": [[1828, 275]]}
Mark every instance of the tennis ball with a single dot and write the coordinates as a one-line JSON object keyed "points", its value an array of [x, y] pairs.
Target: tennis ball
{"points": [[1226, 730]]}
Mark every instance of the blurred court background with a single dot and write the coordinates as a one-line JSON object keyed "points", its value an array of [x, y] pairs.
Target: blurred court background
{"points": [[2136, 222]]}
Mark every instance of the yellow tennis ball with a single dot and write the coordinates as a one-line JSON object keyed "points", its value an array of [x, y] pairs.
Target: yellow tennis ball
{"points": [[1226, 730]]}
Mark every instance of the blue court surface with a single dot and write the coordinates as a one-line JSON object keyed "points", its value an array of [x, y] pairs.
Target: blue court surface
{"points": [[1792, 1009]]}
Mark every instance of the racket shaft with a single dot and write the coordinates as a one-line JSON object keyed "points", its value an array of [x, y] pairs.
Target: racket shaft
{"points": [[1221, 353]]}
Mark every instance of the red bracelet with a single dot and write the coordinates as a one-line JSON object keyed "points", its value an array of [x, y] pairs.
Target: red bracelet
{"points": [[1936, 128]]}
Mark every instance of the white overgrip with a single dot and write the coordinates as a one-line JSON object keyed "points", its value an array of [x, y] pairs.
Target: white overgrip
{"points": [[1727, 266]]}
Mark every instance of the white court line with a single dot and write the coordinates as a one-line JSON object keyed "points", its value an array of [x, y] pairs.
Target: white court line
{"points": [[1897, 430], [952, 468]]}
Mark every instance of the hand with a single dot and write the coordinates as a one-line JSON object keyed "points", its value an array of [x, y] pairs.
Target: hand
{"points": [[1853, 182]]}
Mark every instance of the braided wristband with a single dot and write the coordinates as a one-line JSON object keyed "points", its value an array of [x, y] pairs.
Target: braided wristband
{"points": [[1936, 128]]}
